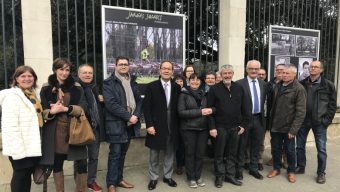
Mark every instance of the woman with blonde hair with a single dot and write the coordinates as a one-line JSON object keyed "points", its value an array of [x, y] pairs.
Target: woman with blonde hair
{"points": [[21, 123]]}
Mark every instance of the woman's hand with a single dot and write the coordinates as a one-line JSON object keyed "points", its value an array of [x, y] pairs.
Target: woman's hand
{"points": [[57, 107], [206, 111]]}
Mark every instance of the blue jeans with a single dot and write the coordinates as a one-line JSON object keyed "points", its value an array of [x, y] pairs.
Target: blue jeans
{"points": [[278, 142], [115, 164], [320, 135]]}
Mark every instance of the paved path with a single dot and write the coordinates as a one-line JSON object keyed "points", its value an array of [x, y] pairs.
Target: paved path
{"points": [[305, 183]]}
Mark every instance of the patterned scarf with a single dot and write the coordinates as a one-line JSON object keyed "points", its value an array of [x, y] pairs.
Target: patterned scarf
{"points": [[30, 94]]}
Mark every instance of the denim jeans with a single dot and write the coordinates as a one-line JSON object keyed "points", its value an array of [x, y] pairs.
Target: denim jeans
{"points": [[115, 164], [279, 141], [320, 135]]}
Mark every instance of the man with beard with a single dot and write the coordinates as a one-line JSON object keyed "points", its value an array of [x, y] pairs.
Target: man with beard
{"points": [[229, 120]]}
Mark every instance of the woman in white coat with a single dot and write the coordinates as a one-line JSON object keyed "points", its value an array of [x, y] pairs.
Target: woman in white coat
{"points": [[21, 122]]}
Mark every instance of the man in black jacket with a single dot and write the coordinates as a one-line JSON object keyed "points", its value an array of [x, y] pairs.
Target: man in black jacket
{"points": [[123, 109], [321, 108], [230, 118], [94, 115], [160, 113]]}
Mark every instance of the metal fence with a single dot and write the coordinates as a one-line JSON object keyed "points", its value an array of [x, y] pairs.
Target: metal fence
{"points": [[11, 45], [76, 27], [311, 14]]}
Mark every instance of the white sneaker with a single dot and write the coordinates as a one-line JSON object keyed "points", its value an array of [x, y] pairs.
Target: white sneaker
{"points": [[193, 184], [200, 182]]}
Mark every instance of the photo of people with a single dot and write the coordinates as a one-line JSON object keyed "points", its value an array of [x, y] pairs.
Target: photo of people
{"points": [[283, 44], [306, 46], [282, 59], [303, 70]]}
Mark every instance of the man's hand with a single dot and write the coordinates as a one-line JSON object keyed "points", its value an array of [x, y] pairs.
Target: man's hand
{"points": [[133, 119], [100, 98], [241, 130], [213, 133], [151, 130], [290, 136]]}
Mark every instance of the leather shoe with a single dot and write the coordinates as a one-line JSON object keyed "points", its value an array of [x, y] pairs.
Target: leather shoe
{"points": [[152, 184], [260, 165], [300, 170], [273, 173], [179, 171], [246, 166], [111, 188], [321, 179], [256, 174], [125, 184], [239, 175], [218, 182], [170, 182], [233, 181], [292, 177]]}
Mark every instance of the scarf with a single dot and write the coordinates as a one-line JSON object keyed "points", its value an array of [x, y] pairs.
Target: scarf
{"points": [[197, 94], [130, 99], [92, 107], [30, 94]]}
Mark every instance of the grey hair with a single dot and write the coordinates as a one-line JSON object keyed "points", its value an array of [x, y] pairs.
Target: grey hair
{"points": [[291, 67], [225, 67], [279, 65], [255, 61]]}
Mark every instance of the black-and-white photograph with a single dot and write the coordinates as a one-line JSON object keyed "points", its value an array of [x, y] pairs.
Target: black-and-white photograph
{"points": [[303, 70], [306, 46], [282, 60], [283, 44]]}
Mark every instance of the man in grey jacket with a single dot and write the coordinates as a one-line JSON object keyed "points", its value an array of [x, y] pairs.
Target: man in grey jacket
{"points": [[287, 115]]}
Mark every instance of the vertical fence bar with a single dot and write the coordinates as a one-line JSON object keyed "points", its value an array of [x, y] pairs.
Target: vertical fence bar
{"points": [[14, 37], [85, 30], [76, 28], [4, 41], [94, 40], [201, 34], [58, 21], [67, 30]]}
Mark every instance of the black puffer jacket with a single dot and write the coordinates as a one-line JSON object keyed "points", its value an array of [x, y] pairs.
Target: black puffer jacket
{"points": [[190, 112]]}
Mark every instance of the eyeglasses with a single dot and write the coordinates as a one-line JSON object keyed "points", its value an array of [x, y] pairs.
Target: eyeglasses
{"points": [[254, 69], [123, 65], [164, 68]]}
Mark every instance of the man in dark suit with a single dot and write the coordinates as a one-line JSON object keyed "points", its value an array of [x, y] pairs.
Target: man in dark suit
{"points": [[160, 113], [255, 92]]}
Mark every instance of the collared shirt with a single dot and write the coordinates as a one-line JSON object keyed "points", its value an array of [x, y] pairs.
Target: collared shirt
{"points": [[250, 82], [168, 89]]}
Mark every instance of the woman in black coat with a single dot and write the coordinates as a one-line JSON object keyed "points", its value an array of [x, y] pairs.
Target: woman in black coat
{"points": [[61, 99], [194, 128]]}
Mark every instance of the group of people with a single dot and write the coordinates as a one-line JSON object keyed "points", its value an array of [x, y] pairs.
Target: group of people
{"points": [[180, 114]]}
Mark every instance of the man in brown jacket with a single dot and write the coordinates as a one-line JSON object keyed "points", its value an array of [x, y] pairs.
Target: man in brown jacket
{"points": [[287, 115]]}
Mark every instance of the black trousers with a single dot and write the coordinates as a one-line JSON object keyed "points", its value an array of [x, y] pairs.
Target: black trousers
{"points": [[21, 180], [195, 143], [226, 148], [254, 137]]}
